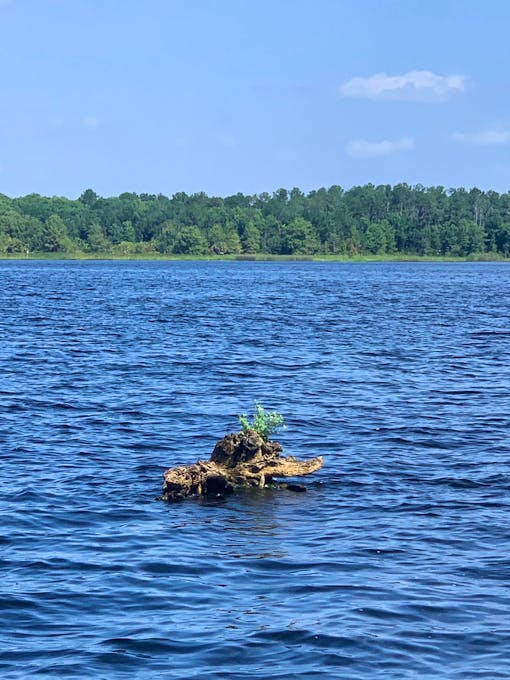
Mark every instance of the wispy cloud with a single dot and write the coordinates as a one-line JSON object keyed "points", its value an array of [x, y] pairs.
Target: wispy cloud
{"points": [[90, 122], [420, 86], [497, 137], [362, 148]]}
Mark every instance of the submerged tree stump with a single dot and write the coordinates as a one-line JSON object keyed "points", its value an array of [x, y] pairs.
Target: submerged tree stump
{"points": [[239, 459]]}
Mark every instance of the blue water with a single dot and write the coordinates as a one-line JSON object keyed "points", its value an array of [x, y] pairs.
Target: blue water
{"points": [[394, 564]]}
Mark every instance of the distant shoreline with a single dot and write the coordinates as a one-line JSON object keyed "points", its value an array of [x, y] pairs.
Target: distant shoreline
{"points": [[259, 257]]}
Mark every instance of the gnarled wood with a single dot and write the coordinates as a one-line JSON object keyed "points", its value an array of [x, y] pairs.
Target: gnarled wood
{"points": [[239, 459]]}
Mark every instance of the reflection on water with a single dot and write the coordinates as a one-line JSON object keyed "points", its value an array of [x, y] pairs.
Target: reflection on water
{"points": [[253, 529]]}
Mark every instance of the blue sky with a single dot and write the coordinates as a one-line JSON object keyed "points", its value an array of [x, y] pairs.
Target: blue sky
{"points": [[224, 96]]}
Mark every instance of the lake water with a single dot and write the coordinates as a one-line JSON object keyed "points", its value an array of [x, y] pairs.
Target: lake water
{"points": [[394, 564]]}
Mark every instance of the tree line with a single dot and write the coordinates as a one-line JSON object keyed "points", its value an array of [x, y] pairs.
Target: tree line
{"points": [[362, 220]]}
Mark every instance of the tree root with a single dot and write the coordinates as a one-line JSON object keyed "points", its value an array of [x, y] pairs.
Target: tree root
{"points": [[239, 459]]}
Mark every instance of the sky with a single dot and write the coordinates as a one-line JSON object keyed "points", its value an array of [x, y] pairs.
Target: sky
{"points": [[227, 96]]}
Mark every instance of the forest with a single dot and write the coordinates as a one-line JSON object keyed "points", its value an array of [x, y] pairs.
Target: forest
{"points": [[363, 220]]}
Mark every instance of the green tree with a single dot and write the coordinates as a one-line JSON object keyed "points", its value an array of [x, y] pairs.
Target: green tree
{"points": [[189, 241], [299, 238], [376, 219], [165, 242], [233, 241], [251, 239], [25, 231], [96, 239], [354, 241], [375, 238], [223, 240], [503, 239], [54, 237], [89, 198], [8, 244]]}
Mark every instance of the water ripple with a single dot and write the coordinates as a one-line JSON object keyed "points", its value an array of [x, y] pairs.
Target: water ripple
{"points": [[394, 564]]}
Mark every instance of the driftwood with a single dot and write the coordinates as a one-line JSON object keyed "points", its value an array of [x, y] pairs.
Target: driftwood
{"points": [[239, 459]]}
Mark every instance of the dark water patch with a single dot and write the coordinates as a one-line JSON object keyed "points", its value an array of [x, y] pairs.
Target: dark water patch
{"points": [[483, 334]]}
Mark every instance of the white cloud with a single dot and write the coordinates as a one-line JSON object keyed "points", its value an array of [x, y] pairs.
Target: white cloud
{"points": [[361, 148], [484, 137], [91, 122], [421, 86]]}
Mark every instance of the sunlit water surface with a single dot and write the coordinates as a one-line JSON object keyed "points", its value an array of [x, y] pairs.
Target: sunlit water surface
{"points": [[394, 564]]}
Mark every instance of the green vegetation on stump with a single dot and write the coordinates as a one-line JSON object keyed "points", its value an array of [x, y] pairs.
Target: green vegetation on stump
{"points": [[264, 423]]}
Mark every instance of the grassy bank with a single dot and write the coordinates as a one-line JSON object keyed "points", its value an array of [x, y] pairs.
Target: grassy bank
{"points": [[259, 257]]}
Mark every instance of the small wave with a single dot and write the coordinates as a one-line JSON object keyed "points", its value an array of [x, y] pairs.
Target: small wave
{"points": [[489, 333]]}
